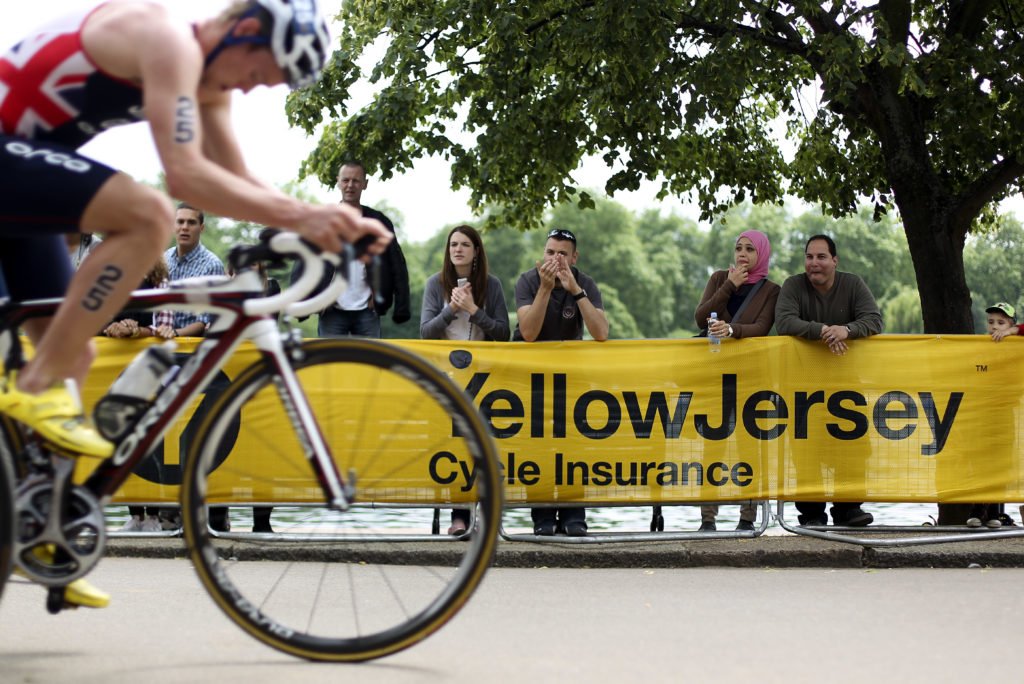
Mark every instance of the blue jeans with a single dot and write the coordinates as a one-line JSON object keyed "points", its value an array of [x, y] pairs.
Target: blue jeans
{"points": [[337, 323]]}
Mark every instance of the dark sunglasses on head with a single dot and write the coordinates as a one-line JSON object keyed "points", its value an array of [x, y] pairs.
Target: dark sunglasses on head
{"points": [[562, 234]]}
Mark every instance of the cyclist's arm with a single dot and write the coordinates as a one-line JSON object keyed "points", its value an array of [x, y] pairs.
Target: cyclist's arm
{"points": [[171, 67]]}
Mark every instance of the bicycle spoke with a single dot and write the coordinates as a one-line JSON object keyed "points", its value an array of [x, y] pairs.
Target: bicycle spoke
{"points": [[379, 412]]}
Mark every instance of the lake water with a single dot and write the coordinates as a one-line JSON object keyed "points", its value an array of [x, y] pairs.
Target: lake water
{"points": [[618, 518]]}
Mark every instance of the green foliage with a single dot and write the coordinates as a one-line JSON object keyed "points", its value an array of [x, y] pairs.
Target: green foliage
{"points": [[994, 262], [908, 106], [688, 94]]}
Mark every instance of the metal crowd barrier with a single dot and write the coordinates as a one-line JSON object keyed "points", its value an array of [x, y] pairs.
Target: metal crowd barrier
{"points": [[870, 536], [906, 535]]}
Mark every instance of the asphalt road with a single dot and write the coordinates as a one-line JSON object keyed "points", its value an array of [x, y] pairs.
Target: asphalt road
{"points": [[556, 625]]}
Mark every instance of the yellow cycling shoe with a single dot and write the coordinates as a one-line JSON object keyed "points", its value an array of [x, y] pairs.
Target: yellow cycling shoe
{"points": [[77, 594], [82, 594], [56, 414]]}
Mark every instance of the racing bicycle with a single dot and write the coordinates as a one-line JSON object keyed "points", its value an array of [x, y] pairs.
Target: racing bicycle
{"points": [[332, 433]]}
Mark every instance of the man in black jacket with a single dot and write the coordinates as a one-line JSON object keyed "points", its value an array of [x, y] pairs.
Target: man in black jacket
{"points": [[358, 311]]}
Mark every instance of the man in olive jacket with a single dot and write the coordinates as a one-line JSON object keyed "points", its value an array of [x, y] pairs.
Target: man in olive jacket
{"points": [[834, 307]]}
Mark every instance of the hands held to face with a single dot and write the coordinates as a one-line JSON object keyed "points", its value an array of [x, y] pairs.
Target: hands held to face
{"points": [[462, 299], [557, 267], [738, 274]]}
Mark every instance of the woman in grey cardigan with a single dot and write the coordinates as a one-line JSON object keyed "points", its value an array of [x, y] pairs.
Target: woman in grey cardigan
{"points": [[464, 302]]}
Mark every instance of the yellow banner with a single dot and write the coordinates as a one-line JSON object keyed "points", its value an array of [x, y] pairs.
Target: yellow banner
{"points": [[898, 418]]}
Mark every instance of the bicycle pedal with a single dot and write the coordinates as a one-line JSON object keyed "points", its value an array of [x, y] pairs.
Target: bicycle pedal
{"points": [[55, 600]]}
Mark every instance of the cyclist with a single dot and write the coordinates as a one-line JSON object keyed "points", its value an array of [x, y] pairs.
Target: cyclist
{"points": [[120, 62]]}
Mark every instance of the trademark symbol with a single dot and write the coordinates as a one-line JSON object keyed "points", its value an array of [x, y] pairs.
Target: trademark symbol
{"points": [[981, 368]]}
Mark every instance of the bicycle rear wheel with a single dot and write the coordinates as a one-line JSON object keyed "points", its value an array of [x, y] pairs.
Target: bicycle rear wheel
{"points": [[350, 585], [7, 514]]}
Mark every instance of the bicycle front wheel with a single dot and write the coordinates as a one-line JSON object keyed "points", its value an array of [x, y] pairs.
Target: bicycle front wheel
{"points": [[343, 585]]}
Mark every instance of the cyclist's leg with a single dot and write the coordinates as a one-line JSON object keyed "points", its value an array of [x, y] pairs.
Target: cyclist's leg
{"points": [[45, 254], [38, 268], [136, 222]]}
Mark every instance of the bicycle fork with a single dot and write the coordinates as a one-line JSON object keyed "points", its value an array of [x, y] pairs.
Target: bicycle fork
{"points": [[338, 490]]}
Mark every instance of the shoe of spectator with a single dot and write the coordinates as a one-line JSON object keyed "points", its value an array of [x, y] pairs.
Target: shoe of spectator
{"points": [[707, 526], [993, 523], [170, 520], [56, 414], [855, 517], [1006, 520], [458, 528], [812, 521], [219, 520], [545, 529], [745, 526], [151, 524], [134, 524], [973, 522], [576, 528]]}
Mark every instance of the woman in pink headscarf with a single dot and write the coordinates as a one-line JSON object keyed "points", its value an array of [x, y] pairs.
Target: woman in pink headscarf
{"points": [[744, 300], [744, 290]]}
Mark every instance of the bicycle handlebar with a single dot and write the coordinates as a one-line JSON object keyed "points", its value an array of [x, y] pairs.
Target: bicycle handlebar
{"points": [[296, 300]]}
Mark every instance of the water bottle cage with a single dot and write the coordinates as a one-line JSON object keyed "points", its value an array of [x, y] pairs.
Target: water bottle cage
{"points": [[116, 414]]}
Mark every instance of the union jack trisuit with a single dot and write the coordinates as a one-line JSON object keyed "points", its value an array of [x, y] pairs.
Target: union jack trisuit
{"points": [[53, 99]]}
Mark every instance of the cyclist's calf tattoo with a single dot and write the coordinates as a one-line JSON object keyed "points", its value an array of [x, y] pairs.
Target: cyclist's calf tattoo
{"points": [[104, 286], [185, 120]]}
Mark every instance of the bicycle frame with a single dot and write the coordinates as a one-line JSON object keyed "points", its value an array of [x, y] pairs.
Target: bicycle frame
{"points": [[238, 304]]}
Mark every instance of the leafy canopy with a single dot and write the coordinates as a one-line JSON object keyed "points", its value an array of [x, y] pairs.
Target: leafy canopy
{"points": [[721, 100]]}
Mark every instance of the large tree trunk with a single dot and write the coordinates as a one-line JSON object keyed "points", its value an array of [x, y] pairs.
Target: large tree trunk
{"points": [[937, 249]]}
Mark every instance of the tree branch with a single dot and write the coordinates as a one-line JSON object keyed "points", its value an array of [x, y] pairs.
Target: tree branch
{"points": [[985, 188], [967, 17]]}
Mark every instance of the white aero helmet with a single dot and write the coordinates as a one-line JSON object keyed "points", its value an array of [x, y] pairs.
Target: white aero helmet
{"points": [[299, 39]]}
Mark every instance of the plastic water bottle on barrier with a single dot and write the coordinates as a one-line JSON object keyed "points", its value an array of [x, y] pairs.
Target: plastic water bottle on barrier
{"points": [[714, 342], [133, 391]]}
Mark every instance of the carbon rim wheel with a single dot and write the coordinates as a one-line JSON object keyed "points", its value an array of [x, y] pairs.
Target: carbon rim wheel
{"points": [[351, 585], [7, 513]]}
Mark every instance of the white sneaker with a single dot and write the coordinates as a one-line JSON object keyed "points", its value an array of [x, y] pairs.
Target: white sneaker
{"points": [[974, 522], [993, 523], [134, 524], [151, 524]]}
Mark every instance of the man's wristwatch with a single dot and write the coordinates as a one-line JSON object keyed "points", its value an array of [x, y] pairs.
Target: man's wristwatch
{"points": [[579, 295], [730, 331]]}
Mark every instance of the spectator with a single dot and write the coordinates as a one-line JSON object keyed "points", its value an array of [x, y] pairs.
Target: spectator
{"points": [[261, 514], [358, 310], [834, 307], [745, 300], [190, 259], [133, 324], [1000, 322], [554, 302], [464, 302]]}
